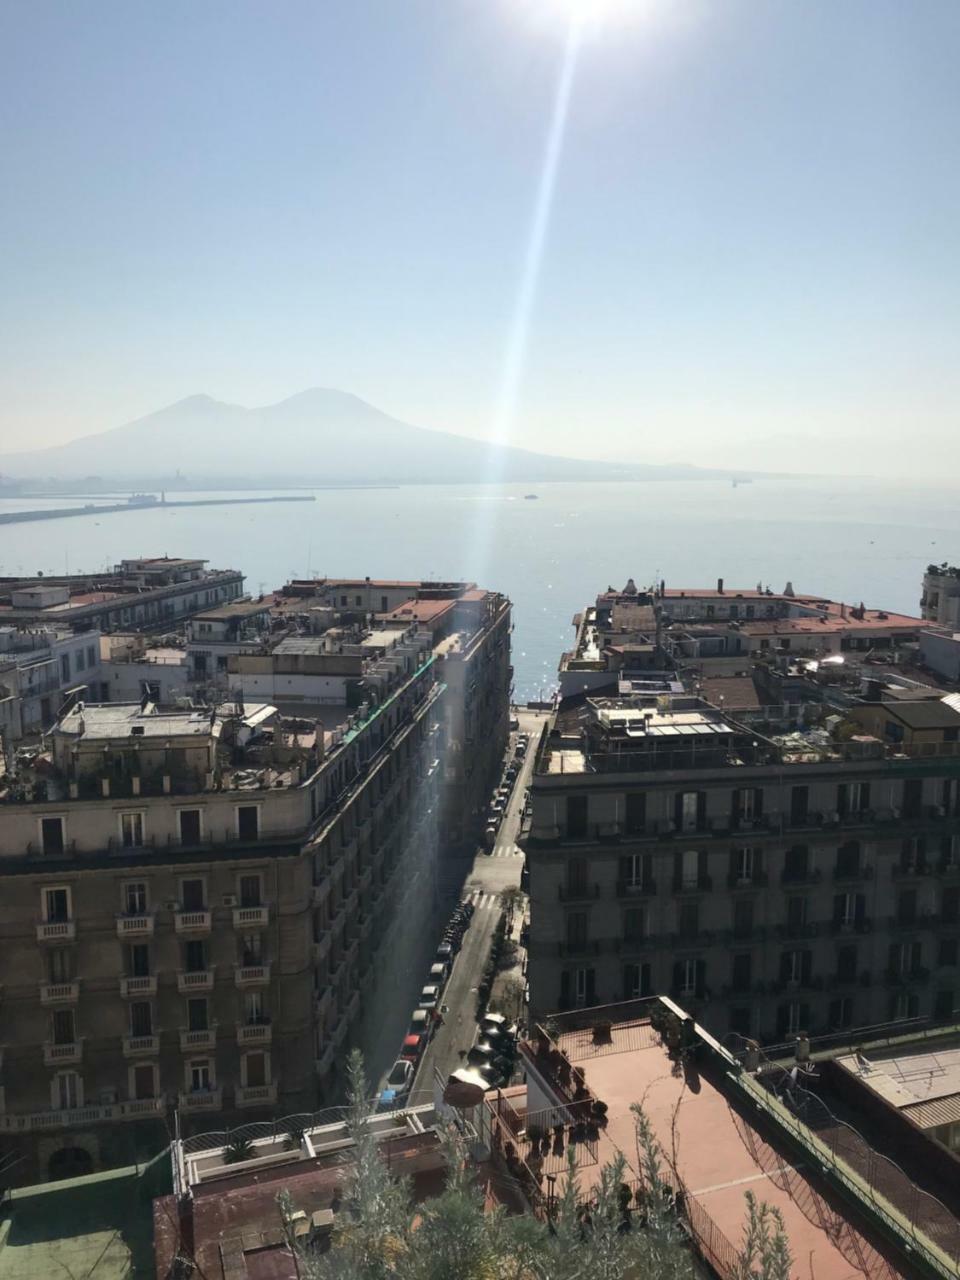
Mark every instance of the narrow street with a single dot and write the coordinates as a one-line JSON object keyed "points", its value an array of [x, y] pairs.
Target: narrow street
{"points": [[482, 880]]}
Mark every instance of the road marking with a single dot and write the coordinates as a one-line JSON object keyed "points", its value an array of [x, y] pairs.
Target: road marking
{"points": [[750, 1177]]}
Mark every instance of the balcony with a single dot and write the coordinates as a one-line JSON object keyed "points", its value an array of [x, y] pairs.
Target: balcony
{"points": [[251, 975], [321, 892], [812, 875], [257, 1095], [62, 1055], [188, 983], [131, 987], [864, 925], [202, 1100], [692, 884], [758, 880], [133, 928], [195, 922], [907, 977], [251, 917], [42, 1121], [636, 888], [326, 1059], [861, 872], [57, 931], [140, 1046], [578, 892], [912, 870], [324, 1002], [805, 929], [321, 947], [254, 1033], [204, 1040], [59, 993]]}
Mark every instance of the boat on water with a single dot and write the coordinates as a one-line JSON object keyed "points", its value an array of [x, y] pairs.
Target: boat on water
{"points": [[530, 497]]}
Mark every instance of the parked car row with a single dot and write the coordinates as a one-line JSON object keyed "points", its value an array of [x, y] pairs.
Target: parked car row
{"points": [[501, 797], [426, 1017]]}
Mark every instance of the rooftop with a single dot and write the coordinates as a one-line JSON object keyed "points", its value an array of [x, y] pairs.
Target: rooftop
{"points": [[110, 720]]}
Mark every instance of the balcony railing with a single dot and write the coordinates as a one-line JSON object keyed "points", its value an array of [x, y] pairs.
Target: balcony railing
{"points": [[810, 875], [323, 1002], [254, 1033], [636, 888], [755, 880], [257, 1095], [56, 930], [60, 1055], [194, 980], [191, 921], [30, 1121], [59, 993], [145, 986], [907, 977], [252, 975], [202, 1100], [580, 947], [135, 926], [692, 884], [250, 917], [196, 1041], [140, 1046], [860, 872], [912, 870], [321, 946]]}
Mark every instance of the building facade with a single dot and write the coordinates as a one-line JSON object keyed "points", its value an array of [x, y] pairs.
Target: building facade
{"points": [[775, 886]]}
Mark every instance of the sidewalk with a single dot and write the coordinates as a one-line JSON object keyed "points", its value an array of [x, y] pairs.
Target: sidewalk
{"points": [[513, 971]]}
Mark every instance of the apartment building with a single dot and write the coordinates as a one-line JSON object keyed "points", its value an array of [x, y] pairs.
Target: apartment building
{"points": [[135, 595], [40, 666], [940, 598], [194, 906]]}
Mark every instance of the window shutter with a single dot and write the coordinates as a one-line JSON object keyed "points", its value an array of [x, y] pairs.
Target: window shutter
{"points": [[591, 987], [645, 983], [677, 976], [758, 803], [624, 869], [864, 795], [785, 966], [701, 983], [564, 988], [842, 799], [701, 808], [734, 863], [702, 865], [735, 804], [893, 957], [758, 862], [804, 1016], [678, 867], [838, 904], [806, 965], [916, 955], [678, 810], [860, 908]]}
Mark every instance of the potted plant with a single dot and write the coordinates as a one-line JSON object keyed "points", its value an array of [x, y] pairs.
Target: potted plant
{"points": [[603, 1031]]}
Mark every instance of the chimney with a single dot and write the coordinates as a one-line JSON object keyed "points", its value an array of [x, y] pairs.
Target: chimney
{"points": [[719, 586]]}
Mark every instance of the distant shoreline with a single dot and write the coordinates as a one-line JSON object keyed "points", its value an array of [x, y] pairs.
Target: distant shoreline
{"points": [[113, 508]]}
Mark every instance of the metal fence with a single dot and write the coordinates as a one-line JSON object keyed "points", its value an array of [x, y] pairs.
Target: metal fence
{"points": [[285, 1127]]}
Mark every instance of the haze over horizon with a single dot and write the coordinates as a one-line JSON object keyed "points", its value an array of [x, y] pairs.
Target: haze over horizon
{"points": [[749, 251]]}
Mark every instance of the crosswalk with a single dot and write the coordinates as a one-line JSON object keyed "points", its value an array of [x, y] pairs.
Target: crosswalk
{"points": [[511, 852], [483, 899]]}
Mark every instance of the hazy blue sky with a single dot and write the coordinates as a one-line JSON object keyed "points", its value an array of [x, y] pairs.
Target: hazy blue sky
{"points": [[752, 254]]}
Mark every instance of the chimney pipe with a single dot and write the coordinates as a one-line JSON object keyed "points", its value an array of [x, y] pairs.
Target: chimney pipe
{"points": [[719, 586]]}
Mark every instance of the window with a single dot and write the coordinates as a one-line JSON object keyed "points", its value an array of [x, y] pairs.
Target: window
{"points": [[636, 981], [67, 1091], [950, 906], [840, 1015], [584, 987], [251, 949], [250, 895], [741, 973], [689, 869], [576, 877], [144, 1081], [689, 977], [690, 810], [907, 907], [741, 1020], [846, 964], [912, 855], [359, 601], [91, 655], [905, 958], [56, 906], [197, 1015], [796, 914], [796, 863], [135, 898], [51, 835], [189, 826], [636, 871], [799, 805], [947, 954], [79, 660], [576, 817], [195, 956], [141, 1018], [64, 1030], [634, 924], [904, 1004], [853, 798], [849, 909], [747, 805], [137, 960], [744, 865], [795, 967], [200, 1075], [577, 930], [193, 895], [255, 1069], [848, 859], [60, 965], [688, 919], [248, 821], [254, 1009], [743, 918], [636, 813], [912, 797], [792, 1018], [65, 667]]}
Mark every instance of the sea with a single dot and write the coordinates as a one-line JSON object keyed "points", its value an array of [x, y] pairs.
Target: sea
{"points": [[551, 552]]}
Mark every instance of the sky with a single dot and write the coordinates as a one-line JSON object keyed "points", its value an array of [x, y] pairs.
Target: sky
{"points": [[749, 242]]}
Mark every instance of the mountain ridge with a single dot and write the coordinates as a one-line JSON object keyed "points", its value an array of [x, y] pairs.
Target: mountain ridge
{"points": [[320, 434]]}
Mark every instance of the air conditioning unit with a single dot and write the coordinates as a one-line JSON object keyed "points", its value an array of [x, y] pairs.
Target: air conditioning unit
{"points": [[172, 905], [229, 899]]}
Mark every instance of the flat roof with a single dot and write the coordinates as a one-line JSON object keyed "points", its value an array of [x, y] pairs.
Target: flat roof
{"points": [[719, 1152], [908, 1080], [924, 714], [119, 719], [238, 609]]}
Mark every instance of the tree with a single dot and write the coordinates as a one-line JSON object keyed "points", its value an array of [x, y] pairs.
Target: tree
{"points": [[600, 1235], [512, 900]]}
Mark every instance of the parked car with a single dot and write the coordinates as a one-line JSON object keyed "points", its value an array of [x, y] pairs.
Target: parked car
{"points": [[520, 750], [492, 1076], [429, 997], [496, 1027], [421, 1024], [438, 973], [412, 1047], [401, 1077], [469, 907], [445, 952], [514, 724], [490, 836]]}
